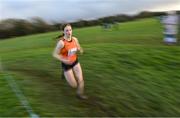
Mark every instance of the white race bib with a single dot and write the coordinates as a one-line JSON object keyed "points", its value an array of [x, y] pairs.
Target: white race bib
{"points": [[72, 51]]}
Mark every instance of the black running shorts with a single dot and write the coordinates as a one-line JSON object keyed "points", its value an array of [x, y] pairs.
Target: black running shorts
{"points": [[67, 67]]}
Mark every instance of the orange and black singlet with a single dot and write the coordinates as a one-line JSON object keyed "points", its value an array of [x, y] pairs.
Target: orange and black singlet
{"points": [[69, 50]]}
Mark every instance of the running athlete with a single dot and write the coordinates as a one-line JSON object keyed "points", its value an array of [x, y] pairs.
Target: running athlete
{"points": [[66, 52]]}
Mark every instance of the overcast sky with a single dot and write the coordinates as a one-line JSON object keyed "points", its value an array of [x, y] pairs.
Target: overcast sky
{"points": [[72, 10]]}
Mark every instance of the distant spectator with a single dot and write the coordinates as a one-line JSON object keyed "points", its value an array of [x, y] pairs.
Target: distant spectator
{"points": [[170, 27]]}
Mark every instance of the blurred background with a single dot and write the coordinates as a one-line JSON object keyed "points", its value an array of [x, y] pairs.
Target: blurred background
{"points": [[131, 63]]}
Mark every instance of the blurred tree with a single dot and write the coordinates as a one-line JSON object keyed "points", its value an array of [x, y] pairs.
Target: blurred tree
{"points": [[40, 25], [18, 27]]}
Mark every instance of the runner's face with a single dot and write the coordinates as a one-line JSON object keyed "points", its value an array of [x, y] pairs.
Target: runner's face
{"points": [[68, 31]]}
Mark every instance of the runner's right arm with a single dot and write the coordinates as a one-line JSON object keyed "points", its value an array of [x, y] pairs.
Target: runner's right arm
{"points": [[56, 52]]}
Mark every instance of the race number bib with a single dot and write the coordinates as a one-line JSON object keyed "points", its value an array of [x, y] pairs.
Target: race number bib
{"points": [[72, 51]]}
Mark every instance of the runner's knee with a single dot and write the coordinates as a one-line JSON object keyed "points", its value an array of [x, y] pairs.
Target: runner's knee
{"points": [[80, 81], [73, 85]]}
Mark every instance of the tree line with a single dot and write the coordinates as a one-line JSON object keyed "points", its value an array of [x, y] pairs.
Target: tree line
{"points": [[20, 27]]}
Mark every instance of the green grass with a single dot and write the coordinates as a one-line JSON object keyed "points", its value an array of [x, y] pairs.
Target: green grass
{"points": [[127, 72]]}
